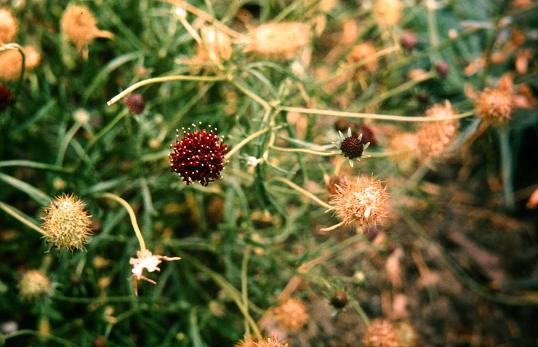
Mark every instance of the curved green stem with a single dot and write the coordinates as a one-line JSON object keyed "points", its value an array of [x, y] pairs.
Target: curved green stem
{"points": [[304, 192]]}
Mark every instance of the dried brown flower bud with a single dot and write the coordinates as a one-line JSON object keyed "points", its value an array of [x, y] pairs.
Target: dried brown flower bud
{"points": [[135, 103], [279, 40], [434, 138], [495, 105], [34, 284], [266, 342], [291, 314], [66, 224], [11, 62], [380, 333], [388, 12], [442, 68], [8, 26], [408, 40], [80, 26], [363, 201]]}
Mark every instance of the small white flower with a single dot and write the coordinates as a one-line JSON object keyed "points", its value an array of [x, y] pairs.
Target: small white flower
{"points": [[253, 161], [146, 260]]}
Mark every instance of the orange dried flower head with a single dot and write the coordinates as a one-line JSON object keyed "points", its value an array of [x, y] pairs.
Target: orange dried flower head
{"points": [[291, 314], [434, 138], [34, 284], [363, 201], [11, 62], [364, 51], [66, 224], [495, 105], [388, 12], [380, 333], [279, 40], [216, 46], [266, 342], [8, 26], [80, 26]]}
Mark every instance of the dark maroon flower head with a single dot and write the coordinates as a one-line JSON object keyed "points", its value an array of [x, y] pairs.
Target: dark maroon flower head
{"points": [[408, 39], [135, 103], [352, 147], [339, 299], [367, 135], [6, 98], [442, 68], [198, 156]]}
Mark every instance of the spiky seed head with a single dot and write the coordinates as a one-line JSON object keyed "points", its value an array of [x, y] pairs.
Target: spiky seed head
{"points": [[265, 342], [11, 62], [198, 156], [80, 26], [135, 103], [8, 26], [380, 333], [34, 284], [495, 105], [388, 12], [362, 200], [291, 314], [6, 98], [362, 51], [435, 138], [279, 40], [333, 182], [66, 224], [339, 299]]}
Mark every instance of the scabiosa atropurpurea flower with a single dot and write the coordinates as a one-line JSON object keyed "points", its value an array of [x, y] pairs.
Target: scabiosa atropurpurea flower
{"points": [[135, 103], [8, 26], [352, 146], [361, 201], [280, 40], [80, 26], [34, 284], [434, 138], [198, 156], [11, 62], [339, 299], [66, 224], [6, 98], [380, 333], [291, 314], [266, 342], [495, 105]]}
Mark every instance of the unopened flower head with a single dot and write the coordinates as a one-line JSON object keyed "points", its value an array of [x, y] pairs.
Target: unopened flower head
{"points": [[265, 342], [495, 105], [279, 40], [66, 224], [8, 26], [388, 12], [80, 26], [362, 200], [434, 138], [380, 333], [135, 103], [215, 47], [34, 284], [198, 156], [11, 62], [291, 314]]}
